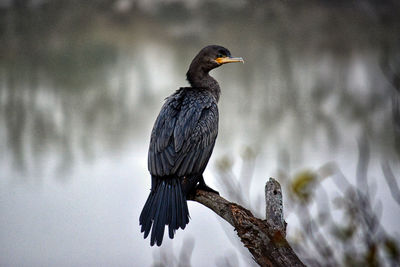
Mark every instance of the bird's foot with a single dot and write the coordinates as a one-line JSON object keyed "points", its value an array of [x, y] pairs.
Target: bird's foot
{"points": [[203, 186]]}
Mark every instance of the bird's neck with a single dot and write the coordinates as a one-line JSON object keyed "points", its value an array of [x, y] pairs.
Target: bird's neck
{"points": [[202, 79]]}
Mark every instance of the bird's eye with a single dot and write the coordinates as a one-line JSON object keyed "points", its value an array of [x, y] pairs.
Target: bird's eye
{"points": [[219, 55]]}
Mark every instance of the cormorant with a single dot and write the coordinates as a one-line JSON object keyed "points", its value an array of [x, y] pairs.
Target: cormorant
{"points": [[181, 144]]}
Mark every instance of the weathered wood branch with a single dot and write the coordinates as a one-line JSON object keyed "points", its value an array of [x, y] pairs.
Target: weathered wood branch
{"points": [[265, 239]]}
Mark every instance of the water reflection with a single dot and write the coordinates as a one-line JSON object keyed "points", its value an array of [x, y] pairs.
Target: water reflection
{"points": [[81, 85]]}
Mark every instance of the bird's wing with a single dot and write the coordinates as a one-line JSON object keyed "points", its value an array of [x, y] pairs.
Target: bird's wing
{"points": [[183, 136]]}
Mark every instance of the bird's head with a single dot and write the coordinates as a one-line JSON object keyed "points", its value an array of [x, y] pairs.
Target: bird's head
{"points": [[211, 57]]}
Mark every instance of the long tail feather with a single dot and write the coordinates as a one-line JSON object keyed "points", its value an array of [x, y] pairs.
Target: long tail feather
{"points": [[166, 205]]}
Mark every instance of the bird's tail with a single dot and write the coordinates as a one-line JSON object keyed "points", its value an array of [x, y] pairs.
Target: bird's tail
{"points": [[166, 205]]}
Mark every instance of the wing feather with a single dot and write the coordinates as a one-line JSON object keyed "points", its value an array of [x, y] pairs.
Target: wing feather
{"points": [[184, 134]]}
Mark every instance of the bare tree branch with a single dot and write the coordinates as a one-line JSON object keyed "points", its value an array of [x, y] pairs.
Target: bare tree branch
{"points": [[274, 206], [265, 239]]}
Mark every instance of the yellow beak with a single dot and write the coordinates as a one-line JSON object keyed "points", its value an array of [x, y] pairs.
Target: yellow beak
{"points": [[224, 60]]}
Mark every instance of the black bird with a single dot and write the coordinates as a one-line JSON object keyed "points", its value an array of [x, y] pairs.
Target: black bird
{"points": [[181, 144]]}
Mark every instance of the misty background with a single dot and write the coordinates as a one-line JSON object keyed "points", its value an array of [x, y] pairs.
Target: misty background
{"points": [[81, 83]]}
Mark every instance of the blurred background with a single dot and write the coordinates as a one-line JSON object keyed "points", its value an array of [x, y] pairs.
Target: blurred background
{"points": [[316, 106]]}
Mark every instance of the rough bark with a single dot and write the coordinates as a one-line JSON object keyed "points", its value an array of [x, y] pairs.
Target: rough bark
{"points": [[265, 239]]}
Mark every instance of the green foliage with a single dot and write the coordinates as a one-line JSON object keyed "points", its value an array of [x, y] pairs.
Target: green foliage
{"points": [[303, 184], [224, 164]]}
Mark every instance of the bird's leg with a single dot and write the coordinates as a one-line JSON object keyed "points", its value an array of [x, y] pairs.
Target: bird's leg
{"points": [[202, 186]]}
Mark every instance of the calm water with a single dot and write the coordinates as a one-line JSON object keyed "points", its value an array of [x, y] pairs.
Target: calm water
{"points": [[80, 89]]}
